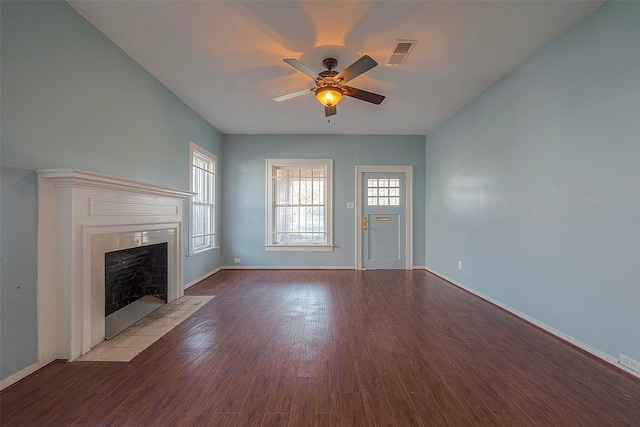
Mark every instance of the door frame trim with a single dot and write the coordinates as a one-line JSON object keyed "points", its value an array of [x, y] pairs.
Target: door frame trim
{"points": [[408, 171]]}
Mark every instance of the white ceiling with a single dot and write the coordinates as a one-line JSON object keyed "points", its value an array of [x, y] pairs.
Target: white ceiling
{"points": [[224, 58]]}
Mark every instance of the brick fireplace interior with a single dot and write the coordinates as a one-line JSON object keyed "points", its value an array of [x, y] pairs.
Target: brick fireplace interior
{"points": [[133, 273]]}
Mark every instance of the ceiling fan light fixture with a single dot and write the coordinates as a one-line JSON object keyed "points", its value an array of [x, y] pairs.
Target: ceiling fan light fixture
{"points": [[330, 88], [329, 96]]}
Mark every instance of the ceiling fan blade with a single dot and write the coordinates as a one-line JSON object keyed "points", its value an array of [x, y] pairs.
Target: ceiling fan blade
{"points": [[301, 67], [292, 95], [362, 65], [353, 92], [330, 111]]}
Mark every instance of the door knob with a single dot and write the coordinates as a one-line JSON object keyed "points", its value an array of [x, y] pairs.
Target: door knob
{"points": [[364, 223]]}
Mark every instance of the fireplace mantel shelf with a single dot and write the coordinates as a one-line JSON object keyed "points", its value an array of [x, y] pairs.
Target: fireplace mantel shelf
{"points": [[85, 179]]}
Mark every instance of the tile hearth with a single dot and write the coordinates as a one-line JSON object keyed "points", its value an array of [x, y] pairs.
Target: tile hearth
{"points": [[136, 338]]}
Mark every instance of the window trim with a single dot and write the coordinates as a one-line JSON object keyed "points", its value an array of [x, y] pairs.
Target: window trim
{"points": [[327, 164], [201, 152]]}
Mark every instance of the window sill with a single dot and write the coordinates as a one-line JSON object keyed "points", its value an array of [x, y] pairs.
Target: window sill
{"points": [[202, 251], [298, 248]]}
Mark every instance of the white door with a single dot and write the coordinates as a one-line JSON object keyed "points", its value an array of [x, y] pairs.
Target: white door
{"points": [[383, 221]]}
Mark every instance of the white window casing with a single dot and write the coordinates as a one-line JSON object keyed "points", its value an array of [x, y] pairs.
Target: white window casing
{"points": [[299, 205], [202, 206]]}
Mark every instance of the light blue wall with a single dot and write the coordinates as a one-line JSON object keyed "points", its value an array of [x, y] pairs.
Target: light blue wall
{"points": [[71, 98], [244, 191], [535, 185]]}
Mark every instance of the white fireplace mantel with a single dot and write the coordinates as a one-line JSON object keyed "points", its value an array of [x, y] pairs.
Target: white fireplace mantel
{"points": [[81, 216]]}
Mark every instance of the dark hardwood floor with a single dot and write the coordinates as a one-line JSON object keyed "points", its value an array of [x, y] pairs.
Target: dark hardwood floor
{"points": [[335, 348]]}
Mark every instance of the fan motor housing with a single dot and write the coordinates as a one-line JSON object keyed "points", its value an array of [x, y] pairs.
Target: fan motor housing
{"points": [[330, 63]]}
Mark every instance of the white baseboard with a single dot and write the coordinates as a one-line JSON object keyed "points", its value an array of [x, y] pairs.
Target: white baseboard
{"points": [[20, 375], [562, 335], [289, 267], [286, 267], [201, 278]]}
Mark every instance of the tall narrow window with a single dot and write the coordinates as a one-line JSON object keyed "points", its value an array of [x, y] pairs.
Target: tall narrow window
{"points": [[299, 202], [202, 206]]}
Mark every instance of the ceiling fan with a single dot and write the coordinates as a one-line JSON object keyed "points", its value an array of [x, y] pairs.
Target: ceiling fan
{"points": [[330, 85]]}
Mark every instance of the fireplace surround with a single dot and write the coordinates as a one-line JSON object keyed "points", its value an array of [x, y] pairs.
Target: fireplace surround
{"points": [[81, 217]]}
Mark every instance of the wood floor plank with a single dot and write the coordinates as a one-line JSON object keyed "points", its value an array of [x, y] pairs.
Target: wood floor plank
{"points": [[303, 406], [353, 412], [335, 348], [532, 411], [276, 420], [401, 408], [427, 409], [328, 419], [328, 398], [282, 388], [253, 410], [223, 420]]}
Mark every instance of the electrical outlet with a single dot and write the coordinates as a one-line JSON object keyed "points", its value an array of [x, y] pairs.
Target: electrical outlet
{"points": [[634, 365], [459, 265], [237, 260]]}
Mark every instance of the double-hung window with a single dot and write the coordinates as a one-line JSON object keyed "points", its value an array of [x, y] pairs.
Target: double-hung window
{"points": [[202, 208], [299, 204]]}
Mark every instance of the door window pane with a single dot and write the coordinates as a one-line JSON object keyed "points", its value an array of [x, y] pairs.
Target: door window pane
{"points": [[383, 192]]}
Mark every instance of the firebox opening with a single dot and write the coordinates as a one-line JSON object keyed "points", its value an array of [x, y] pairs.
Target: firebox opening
{"points": [[135, 279]]}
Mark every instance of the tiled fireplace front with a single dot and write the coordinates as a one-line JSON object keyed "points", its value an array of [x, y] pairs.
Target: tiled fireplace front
{"points": [[103, 244]]}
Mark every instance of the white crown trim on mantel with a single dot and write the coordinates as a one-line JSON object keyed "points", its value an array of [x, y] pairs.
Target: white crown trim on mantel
{"points": [[86, 179], [81, 216]]}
